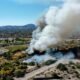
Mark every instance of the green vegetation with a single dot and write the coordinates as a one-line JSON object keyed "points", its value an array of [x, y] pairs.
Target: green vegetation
{"points": [[11, 69], [7, 55], [16, 48], [71, 63], [31, 63], [7, 78], [78, 65], [14, 41], [19, 73], [11, 64], [15, 52], [49, 62], [56, 76], [17, 31], [62, 67]]}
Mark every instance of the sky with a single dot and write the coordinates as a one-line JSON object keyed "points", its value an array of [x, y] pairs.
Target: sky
{"points": [[21, 12]]}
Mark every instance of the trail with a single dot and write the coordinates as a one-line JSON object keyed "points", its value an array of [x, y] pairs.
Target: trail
{"points": [[38, 71]]}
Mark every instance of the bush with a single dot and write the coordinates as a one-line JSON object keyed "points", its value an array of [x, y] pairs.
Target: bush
{"points": [[56, 77], [11, 68], [7, 78], [78, 65], [71, 63], [31, 63], [62, 67], [5, 72], [49, 62], [22, 67], [7, 55], [19, 73]]}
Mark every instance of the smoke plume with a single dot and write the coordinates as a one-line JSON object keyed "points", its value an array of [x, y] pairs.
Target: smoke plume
{"points": [[57, 24]]}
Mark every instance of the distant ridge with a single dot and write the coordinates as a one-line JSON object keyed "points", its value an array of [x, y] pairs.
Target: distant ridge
{"points": [[16, 31]]}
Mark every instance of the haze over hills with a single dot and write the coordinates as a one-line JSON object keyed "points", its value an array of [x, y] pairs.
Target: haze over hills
{"points": [[17, 31]]}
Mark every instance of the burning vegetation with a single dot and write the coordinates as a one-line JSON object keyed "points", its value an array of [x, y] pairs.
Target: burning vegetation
{"points": [[56, 26]]}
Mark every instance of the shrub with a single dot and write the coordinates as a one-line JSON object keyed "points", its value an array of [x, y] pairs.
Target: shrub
{"points": [[5, 72], [31, 63], [71, 63], [62, 67], [49, 62], [22, 67], [7, 55], [7, 78], [78, 65], [55, 76], [11, 68], [19, 73]]}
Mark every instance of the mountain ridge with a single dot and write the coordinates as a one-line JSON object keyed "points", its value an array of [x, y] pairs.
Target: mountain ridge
{"points": [[9, 30]]}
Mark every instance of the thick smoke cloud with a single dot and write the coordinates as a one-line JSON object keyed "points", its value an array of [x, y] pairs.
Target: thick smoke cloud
{"points": [[58, 23]]}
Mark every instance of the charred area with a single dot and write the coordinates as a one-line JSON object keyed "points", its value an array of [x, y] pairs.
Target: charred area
{"points": [[39, 52]]}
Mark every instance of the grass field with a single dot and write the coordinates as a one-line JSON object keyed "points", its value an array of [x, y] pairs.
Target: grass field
{"points": [[14, 48]]}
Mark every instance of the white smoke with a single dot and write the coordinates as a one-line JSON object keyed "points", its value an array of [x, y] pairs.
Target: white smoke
{"points": [[72, 1], [60, 23]]}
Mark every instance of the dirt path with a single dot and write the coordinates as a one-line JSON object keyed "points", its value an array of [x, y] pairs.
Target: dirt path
{"points": [[43, 69], [38, 71]]}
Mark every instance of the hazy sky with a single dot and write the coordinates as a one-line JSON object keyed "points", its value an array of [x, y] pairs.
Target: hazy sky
{"points": [[21, 12]]}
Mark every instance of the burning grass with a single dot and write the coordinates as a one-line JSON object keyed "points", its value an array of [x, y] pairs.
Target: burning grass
{"points": [[67, 44]]}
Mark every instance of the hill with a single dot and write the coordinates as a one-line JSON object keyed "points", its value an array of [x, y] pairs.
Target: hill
{"points": [[16, 31]]}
